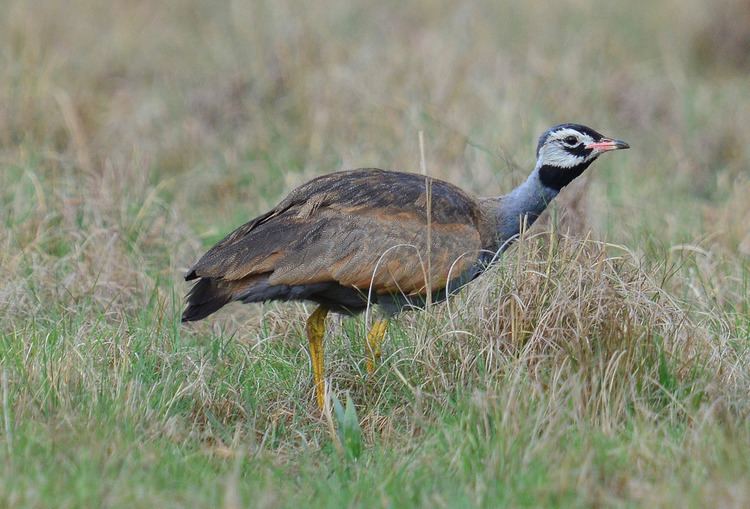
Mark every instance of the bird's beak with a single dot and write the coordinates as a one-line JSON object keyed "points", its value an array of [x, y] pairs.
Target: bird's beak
{"points": [[607, 144]]}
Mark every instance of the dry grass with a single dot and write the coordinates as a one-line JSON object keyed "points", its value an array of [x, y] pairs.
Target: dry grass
{"points": [[604, 361]]}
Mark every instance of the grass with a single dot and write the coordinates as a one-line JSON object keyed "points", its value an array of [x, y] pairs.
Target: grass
{"points": [[604, 362]]}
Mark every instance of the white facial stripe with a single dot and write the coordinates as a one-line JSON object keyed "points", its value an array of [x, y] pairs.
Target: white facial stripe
{"points": [[554, 155], [564, 133]]}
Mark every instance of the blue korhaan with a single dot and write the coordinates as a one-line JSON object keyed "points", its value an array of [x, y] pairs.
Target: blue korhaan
{"points": [[350, 239]]}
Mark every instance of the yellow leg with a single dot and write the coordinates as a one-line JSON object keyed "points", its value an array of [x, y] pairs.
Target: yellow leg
{"points": [[316, 329], [374, 340]]}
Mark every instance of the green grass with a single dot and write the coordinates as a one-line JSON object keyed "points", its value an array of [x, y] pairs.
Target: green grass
{"points": [[604, 362]]}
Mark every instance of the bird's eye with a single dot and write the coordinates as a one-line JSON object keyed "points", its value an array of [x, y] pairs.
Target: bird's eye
{"points": [[570, 140]]}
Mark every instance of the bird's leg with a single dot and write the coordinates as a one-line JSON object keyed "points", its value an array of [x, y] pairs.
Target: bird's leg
{"points": [[316, 329], [374, 340]]}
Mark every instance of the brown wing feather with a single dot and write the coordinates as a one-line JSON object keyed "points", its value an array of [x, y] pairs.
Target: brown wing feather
{"points": [[392, 255], [342, 226]]}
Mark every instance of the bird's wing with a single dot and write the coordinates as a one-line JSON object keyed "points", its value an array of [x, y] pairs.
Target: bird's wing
{"points": [[357, 228]]}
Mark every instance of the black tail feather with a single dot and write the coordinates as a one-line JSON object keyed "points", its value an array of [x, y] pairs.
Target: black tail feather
{"points": [[205, 298]]}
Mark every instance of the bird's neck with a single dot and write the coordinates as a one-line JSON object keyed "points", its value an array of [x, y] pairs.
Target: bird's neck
{"points": [[522, 206]]}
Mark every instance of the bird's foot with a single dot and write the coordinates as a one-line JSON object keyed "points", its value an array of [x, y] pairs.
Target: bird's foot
{"points": [[374, 342]]}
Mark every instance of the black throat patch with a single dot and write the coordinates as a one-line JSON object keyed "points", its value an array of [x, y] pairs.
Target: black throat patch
{"points": [[556, 178]]}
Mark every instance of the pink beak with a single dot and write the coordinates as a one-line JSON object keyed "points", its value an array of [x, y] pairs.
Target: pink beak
{"points": [[607, 144]]}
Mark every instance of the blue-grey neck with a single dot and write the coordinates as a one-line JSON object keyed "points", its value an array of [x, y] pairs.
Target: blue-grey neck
{"points": [[522, 206]]}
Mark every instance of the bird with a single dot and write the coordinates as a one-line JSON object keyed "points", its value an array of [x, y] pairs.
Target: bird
{"points": [[351, 239]]}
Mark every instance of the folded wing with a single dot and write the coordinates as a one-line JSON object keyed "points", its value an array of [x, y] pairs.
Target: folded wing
{"points": [[362, 229]]}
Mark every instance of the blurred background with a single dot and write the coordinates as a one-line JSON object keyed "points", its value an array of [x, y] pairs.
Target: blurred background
{"points": [[179, 120], [134, 134], [163, 125]]}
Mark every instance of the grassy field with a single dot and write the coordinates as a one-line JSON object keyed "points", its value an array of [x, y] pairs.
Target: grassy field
{"points": [[604, 362]]}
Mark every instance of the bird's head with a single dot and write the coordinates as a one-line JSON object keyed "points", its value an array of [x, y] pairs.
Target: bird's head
{"points": [[566, 150]]}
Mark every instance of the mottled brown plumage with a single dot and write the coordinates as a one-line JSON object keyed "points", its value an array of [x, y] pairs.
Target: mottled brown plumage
{"points": [[327, 238]]}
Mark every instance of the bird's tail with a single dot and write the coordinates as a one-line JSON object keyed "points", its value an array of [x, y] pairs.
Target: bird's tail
{"points": [[206, 297]]}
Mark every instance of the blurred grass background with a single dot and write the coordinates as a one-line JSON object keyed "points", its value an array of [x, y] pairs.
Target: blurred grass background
{"points": [[604, 362]]}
